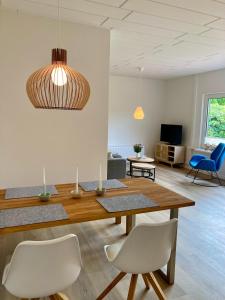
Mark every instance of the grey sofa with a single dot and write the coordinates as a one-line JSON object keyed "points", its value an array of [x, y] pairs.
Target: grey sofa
{"points": [[116, 167]]}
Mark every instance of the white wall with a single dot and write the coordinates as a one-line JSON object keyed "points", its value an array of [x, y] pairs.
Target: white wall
{"points": [[207, 83], [185, 102], [60, 140], [125, 94], [179, 105]]}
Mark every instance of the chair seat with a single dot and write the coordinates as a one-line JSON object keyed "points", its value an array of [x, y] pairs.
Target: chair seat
{"points": [[147, 248], [42, 268], [5, 273], [111, 251], [209, 164], [193, 163], [196, 159]]}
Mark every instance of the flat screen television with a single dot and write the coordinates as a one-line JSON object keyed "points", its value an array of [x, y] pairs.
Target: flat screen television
{"points": [[171, 134]]}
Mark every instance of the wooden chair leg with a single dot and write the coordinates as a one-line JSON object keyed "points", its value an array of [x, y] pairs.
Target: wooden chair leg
{"points": [[111, 285], [132, 288], [156, 286], [58, 296], [118, 220], [147, 284]]}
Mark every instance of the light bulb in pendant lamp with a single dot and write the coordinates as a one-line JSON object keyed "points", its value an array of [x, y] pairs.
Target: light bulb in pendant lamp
{"points": [[139, 113], [59, 76], [58, 86]]}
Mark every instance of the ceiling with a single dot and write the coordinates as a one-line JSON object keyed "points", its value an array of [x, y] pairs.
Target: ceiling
{"points": [[169, 38]]}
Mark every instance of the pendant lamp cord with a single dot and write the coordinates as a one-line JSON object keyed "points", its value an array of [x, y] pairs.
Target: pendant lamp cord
{"points": [[141, 69], [59, 26]]}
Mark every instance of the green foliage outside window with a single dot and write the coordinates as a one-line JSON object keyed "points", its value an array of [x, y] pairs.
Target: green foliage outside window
{"points": [[216, 118]]}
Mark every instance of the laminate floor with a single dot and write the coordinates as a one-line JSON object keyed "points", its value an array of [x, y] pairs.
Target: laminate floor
{"points": [[200, 268]]}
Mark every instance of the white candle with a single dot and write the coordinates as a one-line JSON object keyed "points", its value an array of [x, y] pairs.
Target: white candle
{"points": [[44, 180], [77, 182], [100, 178]]}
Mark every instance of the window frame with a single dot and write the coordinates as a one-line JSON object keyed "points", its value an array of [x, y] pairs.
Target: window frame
{"points": [[205, 116]]}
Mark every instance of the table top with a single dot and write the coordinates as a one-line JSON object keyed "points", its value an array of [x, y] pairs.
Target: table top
{"points": [[143, 159], [88, 209], [143, 166]]}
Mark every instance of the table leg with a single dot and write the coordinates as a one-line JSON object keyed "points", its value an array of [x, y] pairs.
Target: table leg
{"points": [[118, 220], [170, 273], [130, 223], [131, 170]]}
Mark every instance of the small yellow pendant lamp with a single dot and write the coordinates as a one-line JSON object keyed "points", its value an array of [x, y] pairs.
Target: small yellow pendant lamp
{"points": [[139, 113]]}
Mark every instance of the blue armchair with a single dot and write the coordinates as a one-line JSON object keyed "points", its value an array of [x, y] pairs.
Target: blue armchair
{"points": [[212, 164]]}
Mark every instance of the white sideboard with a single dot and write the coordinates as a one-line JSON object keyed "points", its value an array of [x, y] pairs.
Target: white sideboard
{"points": [[170, 154]]}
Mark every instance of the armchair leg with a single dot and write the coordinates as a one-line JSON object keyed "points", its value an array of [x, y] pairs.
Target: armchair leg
{"points": [[111, 285], [220, 183], [189, 172], [156, 286], [133, 283], [196, 174]]}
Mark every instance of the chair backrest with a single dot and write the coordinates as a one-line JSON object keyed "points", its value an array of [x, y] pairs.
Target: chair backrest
{"points": [[41, 268], [218, 155], [147, 248]]}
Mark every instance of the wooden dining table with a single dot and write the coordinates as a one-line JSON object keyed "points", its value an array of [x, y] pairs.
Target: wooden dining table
{"points": [[87, 208]]}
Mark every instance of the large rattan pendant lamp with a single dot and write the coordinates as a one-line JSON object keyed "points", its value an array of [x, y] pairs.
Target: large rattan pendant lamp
{"points": [[58, 86]]}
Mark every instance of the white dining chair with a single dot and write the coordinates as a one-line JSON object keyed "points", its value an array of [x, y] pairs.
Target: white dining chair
{"points": [[147, 248], [43, 268]]}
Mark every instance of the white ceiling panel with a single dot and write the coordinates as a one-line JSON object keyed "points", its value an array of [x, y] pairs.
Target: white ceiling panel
{"points": [[219, 24], [164, 23], [41, 9], [95, 8], [134, 37], [166, 11], [127, 26], [45, 2], [84, 6], [214, 33], [204, 40], [115, 3], [210, 7], [30, 7], [80, 17], [185, 51], [169, 38]]}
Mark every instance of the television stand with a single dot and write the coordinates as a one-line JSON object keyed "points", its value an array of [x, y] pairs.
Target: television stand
{"points": [[170, 154]]}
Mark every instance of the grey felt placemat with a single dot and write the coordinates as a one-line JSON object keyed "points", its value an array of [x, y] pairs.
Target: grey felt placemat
{"points": [[126, 202], [32, 215], [30, 191], [108, 184]]}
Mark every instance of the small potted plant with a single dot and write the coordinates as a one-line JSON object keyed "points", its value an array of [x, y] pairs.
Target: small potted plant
{"points": [[138, 149], [45, 197]]}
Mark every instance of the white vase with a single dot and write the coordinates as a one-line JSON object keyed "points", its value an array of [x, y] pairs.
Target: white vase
{"points": [[138, 155]]}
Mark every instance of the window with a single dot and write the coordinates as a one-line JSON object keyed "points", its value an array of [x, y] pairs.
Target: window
{"points": [[215, 127]]}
